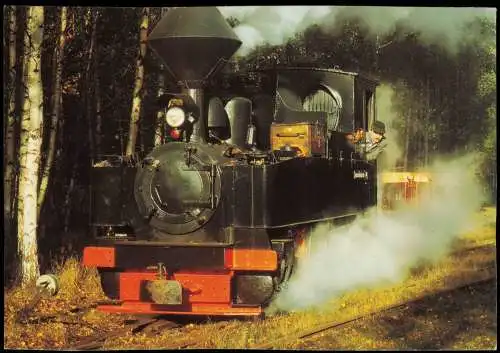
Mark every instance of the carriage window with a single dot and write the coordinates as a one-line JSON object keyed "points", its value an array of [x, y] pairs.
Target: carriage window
{"points": [[325, 100]]}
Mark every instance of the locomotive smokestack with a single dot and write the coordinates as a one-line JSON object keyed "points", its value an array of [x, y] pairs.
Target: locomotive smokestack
{"points": [[194, 43]]}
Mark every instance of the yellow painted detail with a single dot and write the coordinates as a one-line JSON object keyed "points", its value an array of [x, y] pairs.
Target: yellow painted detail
{"points": [[308, 138], [402, 177]]}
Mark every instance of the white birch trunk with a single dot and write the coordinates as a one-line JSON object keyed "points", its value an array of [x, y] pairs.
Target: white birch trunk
{"points": [[160, 115], [31, 141], [139, 81], [9, 175], [56, 108]]}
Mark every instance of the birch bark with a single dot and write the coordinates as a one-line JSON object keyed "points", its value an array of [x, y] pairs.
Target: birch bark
{"points": [[56, 107], [9, 156], [139, 81], [29, 152]]}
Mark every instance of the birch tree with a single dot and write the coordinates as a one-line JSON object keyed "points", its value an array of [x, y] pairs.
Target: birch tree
{"points": [[9, 155], [139, 81], [160, 115], [159, 118], [56, 106], [29, 151]]}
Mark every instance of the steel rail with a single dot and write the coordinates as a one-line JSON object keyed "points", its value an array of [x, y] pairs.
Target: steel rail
{"points": [[337, 324]]}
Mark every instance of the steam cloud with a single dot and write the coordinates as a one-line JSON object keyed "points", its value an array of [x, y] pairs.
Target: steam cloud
{"points": [[272, 24], [386, 114], [276, 24], [380, 248]]}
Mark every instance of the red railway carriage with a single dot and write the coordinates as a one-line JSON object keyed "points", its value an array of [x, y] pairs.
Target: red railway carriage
{"points": [[403, 188]]}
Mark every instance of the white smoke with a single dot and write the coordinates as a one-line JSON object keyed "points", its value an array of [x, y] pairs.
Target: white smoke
{"points": [[272, 24], [380, 248], [276, 24]]}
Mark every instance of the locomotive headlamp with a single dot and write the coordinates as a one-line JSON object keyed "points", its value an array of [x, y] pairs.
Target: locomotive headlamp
{"points": [[175, 116]]}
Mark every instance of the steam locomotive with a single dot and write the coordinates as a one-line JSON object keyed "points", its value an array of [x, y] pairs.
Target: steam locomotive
{"points": [[212, 221]]}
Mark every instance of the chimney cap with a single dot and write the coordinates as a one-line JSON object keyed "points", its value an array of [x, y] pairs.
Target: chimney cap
{"points": [[194, 43]]}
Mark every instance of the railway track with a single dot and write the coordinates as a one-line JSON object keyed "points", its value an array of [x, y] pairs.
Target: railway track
{"points": [[155, 323], [338, 324], [465, 250], [484, 275], [159, 323], [98, 340]]}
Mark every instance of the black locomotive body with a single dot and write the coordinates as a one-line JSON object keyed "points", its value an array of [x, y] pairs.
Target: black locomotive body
{"points": [[211, 223]]}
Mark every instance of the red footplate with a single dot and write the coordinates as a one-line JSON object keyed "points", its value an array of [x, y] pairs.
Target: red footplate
{"points": [[193, 309], [202, 294], [184, 292]]}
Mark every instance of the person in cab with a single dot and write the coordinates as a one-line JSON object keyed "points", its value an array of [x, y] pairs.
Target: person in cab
{"points": [[369, 144]]}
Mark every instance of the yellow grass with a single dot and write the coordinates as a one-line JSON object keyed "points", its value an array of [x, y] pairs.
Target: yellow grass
{"points": [[484, 229], [248, 334], [80, 287]]}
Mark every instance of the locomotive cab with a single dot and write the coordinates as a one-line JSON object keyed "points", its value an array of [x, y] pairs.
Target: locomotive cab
{"points": [[342, 101]]}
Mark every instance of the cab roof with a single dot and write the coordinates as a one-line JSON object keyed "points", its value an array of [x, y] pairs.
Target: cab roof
{"points": [[319, 69]]}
